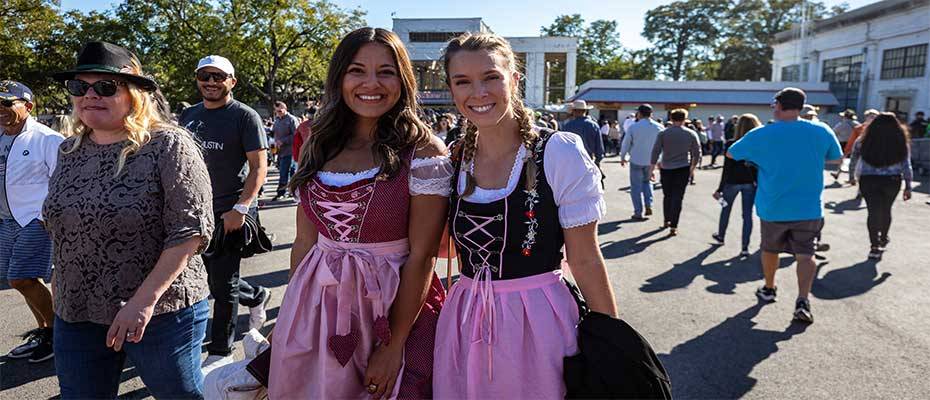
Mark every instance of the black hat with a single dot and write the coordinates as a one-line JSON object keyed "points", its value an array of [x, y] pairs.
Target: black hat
{"points": [[107, 58], [645, 109]]}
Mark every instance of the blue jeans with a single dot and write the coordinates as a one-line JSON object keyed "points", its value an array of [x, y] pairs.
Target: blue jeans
{"points": [[286, 167], [749, 199], [167, 359], [640, 187]]}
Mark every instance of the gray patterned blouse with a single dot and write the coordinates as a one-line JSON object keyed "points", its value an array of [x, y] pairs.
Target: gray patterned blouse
{"points": [[109, 231]]}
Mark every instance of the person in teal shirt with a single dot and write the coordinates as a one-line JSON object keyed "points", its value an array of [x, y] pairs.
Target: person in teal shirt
{"points": [[790, 156]]}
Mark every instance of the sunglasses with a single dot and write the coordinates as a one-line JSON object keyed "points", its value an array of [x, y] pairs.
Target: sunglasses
{"points": [[103, 88], [8, 103], [205, 76]]}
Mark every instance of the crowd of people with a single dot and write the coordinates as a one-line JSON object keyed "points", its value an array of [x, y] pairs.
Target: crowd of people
{"points": [[144, 214]]}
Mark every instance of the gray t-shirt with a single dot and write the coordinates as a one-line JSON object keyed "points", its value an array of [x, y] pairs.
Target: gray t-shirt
{"points": [[283, 131], [678, 146], [6, 142], [226, 134]]}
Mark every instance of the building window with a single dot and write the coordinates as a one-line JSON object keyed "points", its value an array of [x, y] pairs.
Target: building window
{"points": [[791, 73], [430, 76], [433, 37], [844, 75], [904, 62]]}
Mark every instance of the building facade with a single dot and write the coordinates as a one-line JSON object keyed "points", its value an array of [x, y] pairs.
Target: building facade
{"points": [[872, 57], [615, 99], [548, 63]]}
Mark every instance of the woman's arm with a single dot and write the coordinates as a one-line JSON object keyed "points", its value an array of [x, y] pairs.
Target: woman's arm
{"points": [[306, 238], [137, 312], [587, 266], [426, 220]]}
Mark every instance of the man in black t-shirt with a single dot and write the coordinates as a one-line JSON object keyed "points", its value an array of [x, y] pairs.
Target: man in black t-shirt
{"points": [[234, 144]]}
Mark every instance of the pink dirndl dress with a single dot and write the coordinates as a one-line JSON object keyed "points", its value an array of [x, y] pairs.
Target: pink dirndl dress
{"points": [[336, 306], [510, 321]]}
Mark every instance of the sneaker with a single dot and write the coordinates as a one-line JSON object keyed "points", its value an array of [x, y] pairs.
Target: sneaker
{"points": [[31, 340], [257, 315], [717, 237], [215, 361], [43, 352], [745, 253], [802, 311], [821, 247], [767, 294], [648, 210], [875, 254]]}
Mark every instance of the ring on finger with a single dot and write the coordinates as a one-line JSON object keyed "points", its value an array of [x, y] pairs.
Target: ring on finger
{"points": [[372, 388], [130, 334]]}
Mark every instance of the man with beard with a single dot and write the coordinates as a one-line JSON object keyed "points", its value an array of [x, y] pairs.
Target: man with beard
{"points": [[234, 145], [284, 130], [28, 155]]}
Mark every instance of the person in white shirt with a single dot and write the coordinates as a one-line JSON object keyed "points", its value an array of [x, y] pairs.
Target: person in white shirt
{"points": [[637, 143], [28, 156]]}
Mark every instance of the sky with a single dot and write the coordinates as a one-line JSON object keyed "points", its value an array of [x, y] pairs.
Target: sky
{"points": [[506, 18]]}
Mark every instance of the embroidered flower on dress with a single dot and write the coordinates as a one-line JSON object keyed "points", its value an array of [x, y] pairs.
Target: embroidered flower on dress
{"points": [[532, 198]]}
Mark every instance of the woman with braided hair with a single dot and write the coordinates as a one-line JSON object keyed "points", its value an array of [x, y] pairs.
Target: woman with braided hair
{"points": [[519, 194]]}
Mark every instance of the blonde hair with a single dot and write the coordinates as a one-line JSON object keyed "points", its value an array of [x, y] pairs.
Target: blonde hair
{"points": [[492, 43], [143, 118]]}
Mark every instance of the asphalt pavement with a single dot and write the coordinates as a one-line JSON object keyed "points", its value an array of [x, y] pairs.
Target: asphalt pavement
{"points": [[694, 301]]}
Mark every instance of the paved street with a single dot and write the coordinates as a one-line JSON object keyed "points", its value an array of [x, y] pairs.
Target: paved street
{"points": [[694, 301]]}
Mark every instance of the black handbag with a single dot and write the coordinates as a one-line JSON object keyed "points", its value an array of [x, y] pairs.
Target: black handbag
{"points": [[614, 362]]}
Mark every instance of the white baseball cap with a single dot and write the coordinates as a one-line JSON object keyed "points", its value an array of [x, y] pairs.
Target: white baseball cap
{"points": [[219, 62]]}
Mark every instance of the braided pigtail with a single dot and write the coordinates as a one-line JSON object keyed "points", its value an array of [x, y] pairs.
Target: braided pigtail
{"points": [[528, 137], [470, 146]]}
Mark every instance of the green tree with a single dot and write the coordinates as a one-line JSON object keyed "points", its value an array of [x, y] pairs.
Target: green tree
{"points": [[683, 33], [750, 27], [600, 54], [565, 25], [29, 51]]}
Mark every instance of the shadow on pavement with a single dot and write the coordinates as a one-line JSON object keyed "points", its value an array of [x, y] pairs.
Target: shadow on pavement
{"points": [[630, 246], [269, 279], [15, 373], [717, 363], [853, 204], [851, 281], [726, 273]]}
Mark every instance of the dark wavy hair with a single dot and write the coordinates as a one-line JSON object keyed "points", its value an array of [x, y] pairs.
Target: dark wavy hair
{"points": [[398, 129], [885, 141]]}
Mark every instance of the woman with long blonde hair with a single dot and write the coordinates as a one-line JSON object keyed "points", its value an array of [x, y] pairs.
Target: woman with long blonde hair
{"points": [[129, 207], [519, 193]]}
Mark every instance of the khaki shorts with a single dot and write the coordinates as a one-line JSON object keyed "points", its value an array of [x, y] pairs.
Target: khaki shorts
{"points": [[795, 237]]}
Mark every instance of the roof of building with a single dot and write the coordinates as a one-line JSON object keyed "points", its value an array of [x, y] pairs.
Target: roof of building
{"points": [[865, 13], [697, 92]]}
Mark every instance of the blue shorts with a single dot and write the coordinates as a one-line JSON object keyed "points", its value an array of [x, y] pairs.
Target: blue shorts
{"points": [[25, 252]]}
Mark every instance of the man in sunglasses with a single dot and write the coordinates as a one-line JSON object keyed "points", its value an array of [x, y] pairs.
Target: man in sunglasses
{"points": [[234, 144], [28, 154]]}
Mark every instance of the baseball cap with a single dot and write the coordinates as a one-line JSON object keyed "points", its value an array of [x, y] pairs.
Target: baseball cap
{"points": [[12, 90], [644, 108], [218, 62]]}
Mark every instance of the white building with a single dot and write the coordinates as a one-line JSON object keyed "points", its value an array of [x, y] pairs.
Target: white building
{"points": [[872, 57], [549, 61], [614, 99]]}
